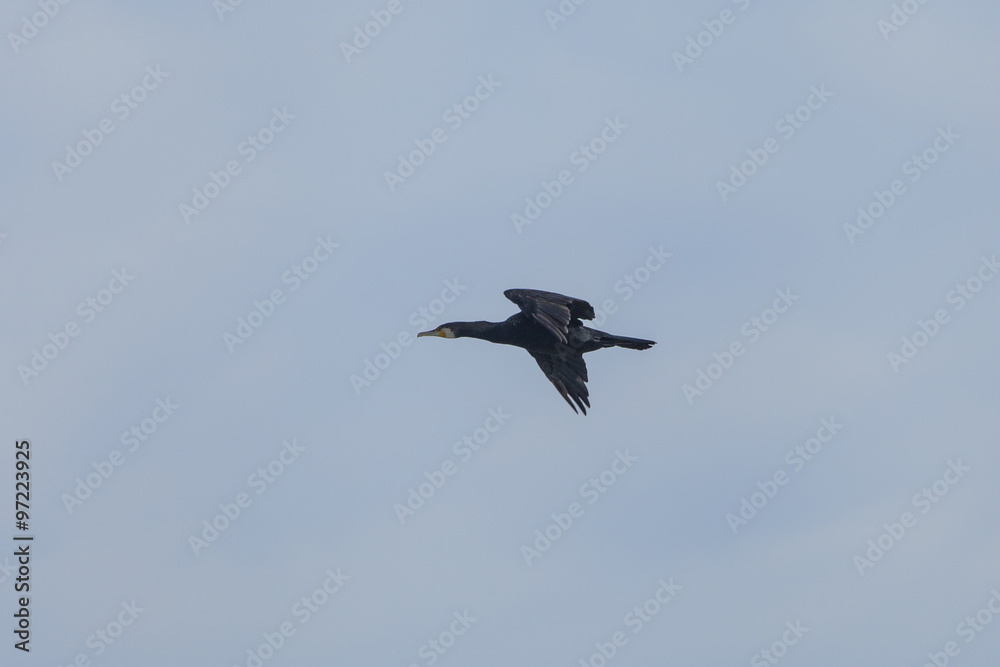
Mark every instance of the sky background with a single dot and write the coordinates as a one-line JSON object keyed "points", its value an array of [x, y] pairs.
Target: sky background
{"points": [[362, 448]]}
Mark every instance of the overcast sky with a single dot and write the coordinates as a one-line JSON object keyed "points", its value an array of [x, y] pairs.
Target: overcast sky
{"points": [[223, 225]]}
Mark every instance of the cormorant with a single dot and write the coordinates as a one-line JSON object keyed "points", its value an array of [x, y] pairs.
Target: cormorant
{"points": [[549, 328]]}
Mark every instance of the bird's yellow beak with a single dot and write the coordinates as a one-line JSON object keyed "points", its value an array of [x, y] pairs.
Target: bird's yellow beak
{"points": [[443, 332], [434, 332]]}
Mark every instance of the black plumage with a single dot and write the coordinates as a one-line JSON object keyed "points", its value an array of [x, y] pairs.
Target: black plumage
{"points": [[549, 327]]}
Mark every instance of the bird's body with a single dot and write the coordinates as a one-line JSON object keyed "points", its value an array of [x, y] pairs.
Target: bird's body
{"points": [[549, 327]]}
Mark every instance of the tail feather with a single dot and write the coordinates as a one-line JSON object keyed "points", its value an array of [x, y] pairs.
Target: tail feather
{"points": [[611, 340]]}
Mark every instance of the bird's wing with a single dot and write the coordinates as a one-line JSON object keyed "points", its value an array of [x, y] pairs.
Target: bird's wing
{"points": [[567, 370], [553, 311]]}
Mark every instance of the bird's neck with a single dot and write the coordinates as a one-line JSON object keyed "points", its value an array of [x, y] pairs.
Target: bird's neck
{"points": [[491, 331]]}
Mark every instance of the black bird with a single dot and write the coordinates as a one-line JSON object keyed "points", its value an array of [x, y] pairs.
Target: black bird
{"points": [[549, 328]]}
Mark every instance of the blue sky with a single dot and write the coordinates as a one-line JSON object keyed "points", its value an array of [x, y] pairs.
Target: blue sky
{"points": [[178, 177]]}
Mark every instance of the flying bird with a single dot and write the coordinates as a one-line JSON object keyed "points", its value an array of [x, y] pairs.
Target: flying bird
{"points": [[549, 328]]}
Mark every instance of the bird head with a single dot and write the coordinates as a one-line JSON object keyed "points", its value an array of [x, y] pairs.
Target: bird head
{"points": [[444, 331]]}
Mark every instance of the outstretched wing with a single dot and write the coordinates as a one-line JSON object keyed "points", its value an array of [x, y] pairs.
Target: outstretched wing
{"points": [[553, 311], [567, 370]]}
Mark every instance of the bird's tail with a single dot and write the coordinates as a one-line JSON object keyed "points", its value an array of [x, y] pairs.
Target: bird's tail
{"points": [[610, 340]]}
